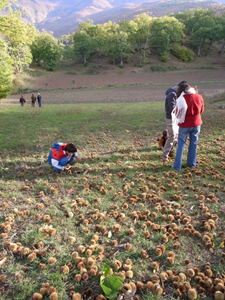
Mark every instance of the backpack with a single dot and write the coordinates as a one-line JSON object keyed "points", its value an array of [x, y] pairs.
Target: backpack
{"points": [[164, 140], [56, 146]]}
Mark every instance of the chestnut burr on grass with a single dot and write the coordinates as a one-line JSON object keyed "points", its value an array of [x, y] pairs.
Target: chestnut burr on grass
{"points": [[161, 231]]}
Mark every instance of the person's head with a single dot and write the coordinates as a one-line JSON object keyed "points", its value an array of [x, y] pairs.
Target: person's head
{"points": [[182, 88], [175, 88], [21, 95], [165, 133], [70, 148], [184, 81]]}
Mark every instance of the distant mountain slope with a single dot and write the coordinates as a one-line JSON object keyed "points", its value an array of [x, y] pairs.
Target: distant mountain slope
{"points": [[63, 16], [36, 10], [156, 9]]}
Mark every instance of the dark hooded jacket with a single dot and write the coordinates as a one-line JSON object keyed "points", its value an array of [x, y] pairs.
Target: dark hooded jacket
{"points": [[22, 100], [170, 102], [33, 98]]}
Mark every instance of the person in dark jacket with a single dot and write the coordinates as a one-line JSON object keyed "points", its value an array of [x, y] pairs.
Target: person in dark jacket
{"points": [[33, 100], [170, 104], [22, 100], [39, 97]]}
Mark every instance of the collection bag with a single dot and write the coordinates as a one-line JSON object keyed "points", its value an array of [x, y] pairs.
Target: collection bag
{"points": [[181, 109], [178, 113]]}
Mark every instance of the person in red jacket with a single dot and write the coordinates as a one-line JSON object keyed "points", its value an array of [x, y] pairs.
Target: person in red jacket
{"points": [[62, 155], [22, 100], [190, 127]]}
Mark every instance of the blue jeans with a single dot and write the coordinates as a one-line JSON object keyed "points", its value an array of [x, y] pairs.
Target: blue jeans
{"points": [[62, 162], [193, 133]]}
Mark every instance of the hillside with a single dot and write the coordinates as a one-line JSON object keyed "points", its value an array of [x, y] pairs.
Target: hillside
{"points": [[63, 17]]}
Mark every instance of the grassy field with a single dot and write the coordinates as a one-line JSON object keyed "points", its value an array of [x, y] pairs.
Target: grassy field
{"points": [[121, 206]]}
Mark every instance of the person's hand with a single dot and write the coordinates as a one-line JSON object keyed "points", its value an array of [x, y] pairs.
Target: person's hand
{"points": [[79, 158], [67, 167]]}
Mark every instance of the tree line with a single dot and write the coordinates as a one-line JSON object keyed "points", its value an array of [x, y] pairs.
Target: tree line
{"points": [[20, 43]]}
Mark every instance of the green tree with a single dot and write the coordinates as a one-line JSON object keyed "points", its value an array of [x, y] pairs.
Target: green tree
{"points": [[96, 32], [165, 32], [47, 51], [204, 22], [124, 46], [130, 27], [21, 56], [15, 35], [202, 27], [187, 18], [222, 37], [111, 43], [141, 34], [215, 32], [67, 41], [6, 71], [84, 44], [116, 43]]}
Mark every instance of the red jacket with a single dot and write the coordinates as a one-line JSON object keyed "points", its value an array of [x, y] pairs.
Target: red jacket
{"points": [[59, 154], [195, 107]]}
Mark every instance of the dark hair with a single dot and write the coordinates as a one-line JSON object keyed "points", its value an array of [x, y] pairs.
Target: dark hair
{"points": [[165, 132], [71, 148], [181, 88], [184, 81]]}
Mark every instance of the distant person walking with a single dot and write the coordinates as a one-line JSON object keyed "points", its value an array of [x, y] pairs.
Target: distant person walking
{"points": [[190, 127], [22, 100], [39, 97], [33, 100]]}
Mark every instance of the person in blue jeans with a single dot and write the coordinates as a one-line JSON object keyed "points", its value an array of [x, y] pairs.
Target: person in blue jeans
{"points": [[190, 127], [39, 97]]}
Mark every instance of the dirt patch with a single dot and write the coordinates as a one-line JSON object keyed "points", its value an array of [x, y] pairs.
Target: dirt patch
{"points": [[61, 80], [132, 87], [111, 95]]}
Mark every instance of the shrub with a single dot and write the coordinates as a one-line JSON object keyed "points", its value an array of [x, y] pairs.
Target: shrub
{"points": [[143, 61], [156, 69], [18, 83], [183, 53], [165, 56]]}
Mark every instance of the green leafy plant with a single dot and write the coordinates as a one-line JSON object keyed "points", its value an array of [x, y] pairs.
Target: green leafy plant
{"points": [[110, 284], [164, 56], [182, 52]]}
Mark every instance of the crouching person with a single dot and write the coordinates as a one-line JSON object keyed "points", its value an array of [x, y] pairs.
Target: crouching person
{"points": [[62, 155]]}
